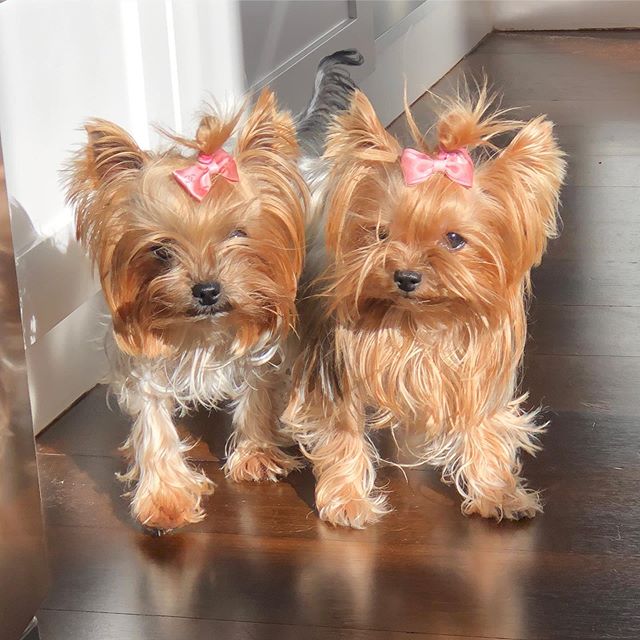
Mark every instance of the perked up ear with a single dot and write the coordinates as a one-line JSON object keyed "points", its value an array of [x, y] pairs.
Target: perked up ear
{"points": [[268, 129], [111, 151], [361, 152], [359, 133], [525, 178]]}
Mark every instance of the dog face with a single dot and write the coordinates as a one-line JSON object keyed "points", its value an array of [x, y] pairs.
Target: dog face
{"points": [[175, 269], [438, 247]]}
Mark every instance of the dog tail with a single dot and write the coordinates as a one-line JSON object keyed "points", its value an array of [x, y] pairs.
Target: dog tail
{"points": [[332, 94]]}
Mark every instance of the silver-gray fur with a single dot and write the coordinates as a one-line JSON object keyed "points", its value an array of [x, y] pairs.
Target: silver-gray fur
{"points": [[332, 94]]}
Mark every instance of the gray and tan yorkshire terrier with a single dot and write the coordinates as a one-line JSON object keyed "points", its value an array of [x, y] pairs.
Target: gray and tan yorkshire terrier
{"points": [[414, 308], [199, 250]]}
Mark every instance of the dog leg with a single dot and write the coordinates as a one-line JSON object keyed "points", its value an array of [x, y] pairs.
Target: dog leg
{"points": [[254, 452], [487, 470], [343, 463], [168, 490]]}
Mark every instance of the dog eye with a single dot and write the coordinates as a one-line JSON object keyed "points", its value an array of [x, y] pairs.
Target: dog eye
{"points": [[161, 252], [382, 232], [238, 233], [454, 241]]}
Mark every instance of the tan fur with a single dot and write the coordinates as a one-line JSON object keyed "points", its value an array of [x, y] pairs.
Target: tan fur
{"points": [[151, 243], [444, 359]]}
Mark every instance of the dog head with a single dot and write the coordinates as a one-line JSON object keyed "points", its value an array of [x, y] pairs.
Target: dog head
{"points": [[176, 268], [431, 245]]}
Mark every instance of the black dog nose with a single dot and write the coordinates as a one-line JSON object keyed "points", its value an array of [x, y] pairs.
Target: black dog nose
{"points": [[407, 280], [206, 293]]}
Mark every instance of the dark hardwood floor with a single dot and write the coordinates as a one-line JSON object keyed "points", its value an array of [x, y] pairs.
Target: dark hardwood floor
{"points": [[262, 566]]}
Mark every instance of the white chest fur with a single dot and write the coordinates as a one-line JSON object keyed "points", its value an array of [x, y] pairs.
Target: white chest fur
{"points": [[205, 375]]}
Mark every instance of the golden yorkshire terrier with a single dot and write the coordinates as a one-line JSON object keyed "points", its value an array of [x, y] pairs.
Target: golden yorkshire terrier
{"points": [[419, 268], [199, 255]]}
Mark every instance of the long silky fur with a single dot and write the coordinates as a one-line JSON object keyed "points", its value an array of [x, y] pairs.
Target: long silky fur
{"points": [[168, 355], [444, 364]]}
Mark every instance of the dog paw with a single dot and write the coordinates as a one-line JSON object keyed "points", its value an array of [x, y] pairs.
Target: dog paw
{"points": [[522, 503], [163, 513], [356, 513], [170, 507], [259, 465]]}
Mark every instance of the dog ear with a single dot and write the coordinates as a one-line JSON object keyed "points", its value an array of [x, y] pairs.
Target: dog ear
{"points": [[358, 133], [111, 151], [362, 155], [268, 129], [266, 152], [268, 148], [125, 273], [96, 177], [525, 180]]}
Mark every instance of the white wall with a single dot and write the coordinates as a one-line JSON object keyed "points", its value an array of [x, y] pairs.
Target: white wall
{"points": [[130, 61], [312, 30], [421, 48], [274, 31], [387, 13], [565, 14]]}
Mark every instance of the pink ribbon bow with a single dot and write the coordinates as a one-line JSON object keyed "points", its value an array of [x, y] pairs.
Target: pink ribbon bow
{"points": [[196, 179], [456, 165]]}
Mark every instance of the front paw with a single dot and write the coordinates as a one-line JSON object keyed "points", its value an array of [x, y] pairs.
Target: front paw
{"points": [[352, 511], [249, 464], [166, 506], [517, 505]]}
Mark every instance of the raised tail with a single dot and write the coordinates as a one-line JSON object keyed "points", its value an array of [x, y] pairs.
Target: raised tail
{"points": [[332, 94]]}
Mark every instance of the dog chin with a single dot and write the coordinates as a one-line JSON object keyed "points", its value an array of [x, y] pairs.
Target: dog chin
{"points": [[413, 302], [210, 312]]}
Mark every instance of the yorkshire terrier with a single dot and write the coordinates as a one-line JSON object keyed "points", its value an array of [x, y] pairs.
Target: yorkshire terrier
{"points": [[199, 249], [419, 262]]}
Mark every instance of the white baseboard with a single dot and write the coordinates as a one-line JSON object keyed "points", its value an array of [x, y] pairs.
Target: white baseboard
{"points": [[68, 284], [66, 362], [422, 48]]}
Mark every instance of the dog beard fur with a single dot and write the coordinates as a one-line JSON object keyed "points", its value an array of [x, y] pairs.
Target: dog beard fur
{"points": [[442, 360], [151, 243]]}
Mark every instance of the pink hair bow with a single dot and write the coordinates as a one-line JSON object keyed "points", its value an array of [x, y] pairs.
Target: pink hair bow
{"points": [[196, 179], [456, 165]]}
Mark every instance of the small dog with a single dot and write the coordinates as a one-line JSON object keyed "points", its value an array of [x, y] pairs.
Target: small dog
{"points": [[199, 257], [420, 266]]}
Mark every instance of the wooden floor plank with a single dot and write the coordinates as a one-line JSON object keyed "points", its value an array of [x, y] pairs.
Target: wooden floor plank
{"points": [[603, 384], [584, 282], [600, 170], [416, 588], [62, 625], [598, 224], [523, 77], [583, 510], [584, 331]]}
